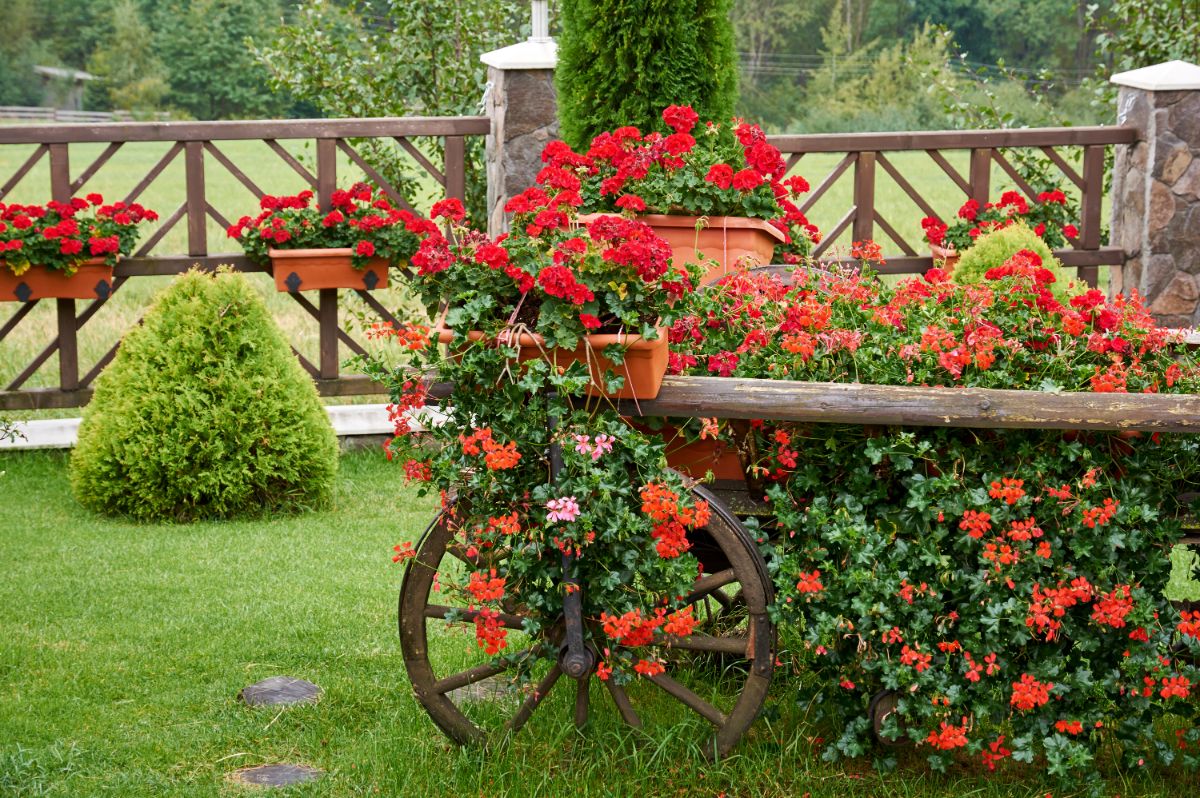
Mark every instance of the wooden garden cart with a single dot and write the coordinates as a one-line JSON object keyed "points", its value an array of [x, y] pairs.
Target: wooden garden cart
{"points": [[733, 582]]}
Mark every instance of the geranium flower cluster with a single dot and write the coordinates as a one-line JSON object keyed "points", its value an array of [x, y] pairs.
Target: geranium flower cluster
{"points": [[551, 275], [360, 218], [635, 630], [64, 235], [1009, 331], [671, 518], [714, 170], [1011, 578], [1050, 218], [1022, 588]]}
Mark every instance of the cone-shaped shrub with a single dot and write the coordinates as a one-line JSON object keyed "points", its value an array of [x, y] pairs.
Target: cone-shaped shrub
{"points": [[994, 248], [622, 63], [204, 413]]}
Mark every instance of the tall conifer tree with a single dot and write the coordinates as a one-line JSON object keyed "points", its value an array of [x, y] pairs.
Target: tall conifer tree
{"points": [[620, 62]]}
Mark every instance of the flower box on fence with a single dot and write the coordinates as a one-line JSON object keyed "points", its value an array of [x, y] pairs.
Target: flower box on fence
{"points": [[945, 258], [92, 280], [724, 239], [644, 367], [298, 270]]}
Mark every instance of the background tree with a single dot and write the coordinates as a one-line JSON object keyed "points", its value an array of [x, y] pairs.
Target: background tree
{"points": [[621, 63], [212, 71], [1138, 33], [130, 74], [394, 58], [20, 50]]}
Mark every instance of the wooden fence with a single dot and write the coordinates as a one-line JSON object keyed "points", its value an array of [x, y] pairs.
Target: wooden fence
{"points": [[38, 113], [865, 159], [868, 154], [196, 142]]}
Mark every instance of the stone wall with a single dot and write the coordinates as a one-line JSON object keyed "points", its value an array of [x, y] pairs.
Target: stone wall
{"points": [[1156, 193], [523, 107]]}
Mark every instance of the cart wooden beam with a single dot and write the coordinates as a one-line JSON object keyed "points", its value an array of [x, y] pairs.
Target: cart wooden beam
{"points": [[855, 403]]}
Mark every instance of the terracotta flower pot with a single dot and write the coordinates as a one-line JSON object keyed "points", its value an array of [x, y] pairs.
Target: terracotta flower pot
{"points": [[644, 367], [947, 255], [312, 269], [93, 280], [695, 458], [725, 239]]}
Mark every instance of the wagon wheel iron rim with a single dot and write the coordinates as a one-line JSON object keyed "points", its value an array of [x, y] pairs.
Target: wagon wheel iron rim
{"points": [[753, 643]]}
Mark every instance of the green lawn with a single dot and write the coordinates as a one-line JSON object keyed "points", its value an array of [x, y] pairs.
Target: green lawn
{"points": [[122, 648]]}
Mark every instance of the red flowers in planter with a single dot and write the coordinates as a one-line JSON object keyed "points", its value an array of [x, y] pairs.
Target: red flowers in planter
{"points": [[63, 235], [715, 170], [1049, 218]]}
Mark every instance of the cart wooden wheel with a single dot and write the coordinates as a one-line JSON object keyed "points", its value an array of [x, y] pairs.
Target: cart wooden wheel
{"points": [[530, 669]]}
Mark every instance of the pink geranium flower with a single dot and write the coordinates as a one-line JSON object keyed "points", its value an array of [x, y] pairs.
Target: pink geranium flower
{"points": [[564, 509]]}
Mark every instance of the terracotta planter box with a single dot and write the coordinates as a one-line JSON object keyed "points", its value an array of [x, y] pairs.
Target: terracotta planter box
{"points": [[312, 269], [726, 239], [644, 367], [93, 280], [947, 255]]}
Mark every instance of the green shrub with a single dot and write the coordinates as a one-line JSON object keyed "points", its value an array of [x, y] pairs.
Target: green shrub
{"points": [[992, 249], [204, 413], [621, 63]]}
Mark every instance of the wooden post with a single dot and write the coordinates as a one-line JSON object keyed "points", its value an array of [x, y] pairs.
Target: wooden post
{"points": [[68, 333], [1093, 194], [197, 210], [981, 175], [456, 167], [326, 172], [68, 345], [328, 300], [864, 197]]}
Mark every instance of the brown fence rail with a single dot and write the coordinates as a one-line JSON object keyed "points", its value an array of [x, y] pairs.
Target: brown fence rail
{"points": [[198, 143], [866, 159]]}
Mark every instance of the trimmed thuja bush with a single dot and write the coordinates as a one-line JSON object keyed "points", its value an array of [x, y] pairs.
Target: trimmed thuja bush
{"points": [[205, 413], [621, 63], [995, 248]]}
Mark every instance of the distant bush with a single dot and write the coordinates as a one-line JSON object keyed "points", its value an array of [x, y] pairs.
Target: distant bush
{"points": [[204, 413], [994, 248], [622, 67]]}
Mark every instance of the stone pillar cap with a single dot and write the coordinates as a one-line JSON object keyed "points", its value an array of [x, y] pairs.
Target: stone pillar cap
{"points": [[1171, 76], [532, 54]]}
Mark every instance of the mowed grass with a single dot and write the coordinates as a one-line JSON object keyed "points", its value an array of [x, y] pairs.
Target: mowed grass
{"points": [[123, 647], [232, 199]]}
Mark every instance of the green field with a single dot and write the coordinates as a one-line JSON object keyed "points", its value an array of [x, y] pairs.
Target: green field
{"points": [[273, 175], [123, 647]]}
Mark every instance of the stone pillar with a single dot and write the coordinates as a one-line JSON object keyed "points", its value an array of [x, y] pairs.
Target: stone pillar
{"points": [[523, 107], [1156, 190]]}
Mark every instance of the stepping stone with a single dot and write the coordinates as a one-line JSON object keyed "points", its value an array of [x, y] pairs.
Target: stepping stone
{"points": [[280, 690], [276, 775], [491, 689]]}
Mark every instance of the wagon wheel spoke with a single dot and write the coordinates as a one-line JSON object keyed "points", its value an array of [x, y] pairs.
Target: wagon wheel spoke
{"points": [[706, 710], [480, 672], [440, 611], [624, 706], [477, 561], [736, 644], [531, 702], [582, 698], [709, 586]]}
